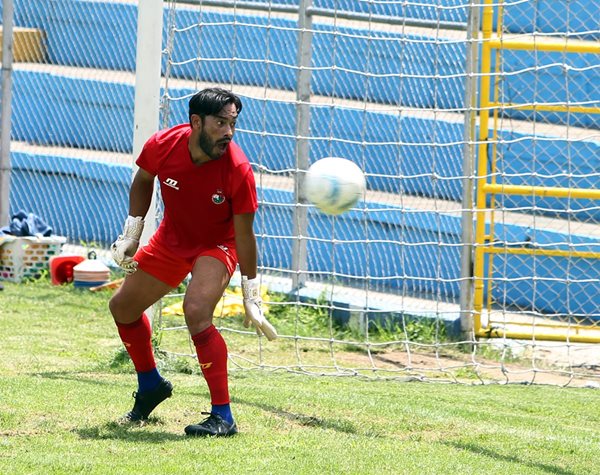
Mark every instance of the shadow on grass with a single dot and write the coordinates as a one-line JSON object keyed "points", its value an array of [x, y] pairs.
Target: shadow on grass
{"points": [[344, 426], [133, 432], [92, 376], [130, 432], [479, 450]]}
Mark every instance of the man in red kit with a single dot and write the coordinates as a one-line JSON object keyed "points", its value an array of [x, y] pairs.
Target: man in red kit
{"points": [[209, 197]]}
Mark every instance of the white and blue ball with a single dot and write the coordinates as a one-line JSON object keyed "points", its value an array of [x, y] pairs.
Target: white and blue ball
{"points": [[334, 184]]}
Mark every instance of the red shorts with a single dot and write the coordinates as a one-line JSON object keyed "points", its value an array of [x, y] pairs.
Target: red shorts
{"points": [[157, 261]]}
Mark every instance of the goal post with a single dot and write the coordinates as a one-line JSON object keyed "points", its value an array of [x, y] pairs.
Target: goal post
{"points": [[149, 49], [303, 93], [146, 113], [469, 166]]}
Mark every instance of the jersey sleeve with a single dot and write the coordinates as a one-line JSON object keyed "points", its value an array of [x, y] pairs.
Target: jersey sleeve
{"points": [[149, 156], [244, 198]]}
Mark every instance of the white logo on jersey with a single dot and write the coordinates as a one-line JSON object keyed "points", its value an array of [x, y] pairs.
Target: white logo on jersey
{"points": [[172, 183]]}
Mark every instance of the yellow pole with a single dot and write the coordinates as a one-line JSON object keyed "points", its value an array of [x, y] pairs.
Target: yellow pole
{"points": [[541, 43], [541, 252], [543, 191], [546, 107], [500, 333], [482, 171], [493, 150]]}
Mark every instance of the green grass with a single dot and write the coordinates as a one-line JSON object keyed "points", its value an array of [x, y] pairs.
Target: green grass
{"points": [[61, 391]]}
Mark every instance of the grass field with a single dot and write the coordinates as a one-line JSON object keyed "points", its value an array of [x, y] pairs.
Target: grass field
{"points": [[61, 393]]}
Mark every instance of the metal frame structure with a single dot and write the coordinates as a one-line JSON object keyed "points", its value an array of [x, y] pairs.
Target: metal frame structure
{"points": [[486, 187]]}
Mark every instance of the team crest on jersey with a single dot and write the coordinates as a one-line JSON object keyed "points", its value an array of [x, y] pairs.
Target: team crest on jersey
{"points": [[218, 197]]}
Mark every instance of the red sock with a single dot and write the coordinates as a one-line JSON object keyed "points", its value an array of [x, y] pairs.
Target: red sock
{"points": [[212, 356], [137, 338]]}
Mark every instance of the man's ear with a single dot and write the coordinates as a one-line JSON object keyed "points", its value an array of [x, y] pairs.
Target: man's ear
{"points": [[197, 121]]}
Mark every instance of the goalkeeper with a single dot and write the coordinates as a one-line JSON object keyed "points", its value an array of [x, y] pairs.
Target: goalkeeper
{"points": [[209, 197]]}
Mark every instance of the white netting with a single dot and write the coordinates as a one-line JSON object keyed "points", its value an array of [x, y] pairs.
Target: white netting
{"points": [[387, 91], [380, 286]]}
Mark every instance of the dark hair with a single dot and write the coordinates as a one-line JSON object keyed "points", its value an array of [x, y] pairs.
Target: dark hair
{"points": [[211, 101]]}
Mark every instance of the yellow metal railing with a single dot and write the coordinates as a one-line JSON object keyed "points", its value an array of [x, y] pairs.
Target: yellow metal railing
{"points": [[541, 191], [546, 107], [495, 43], [543, 43]]}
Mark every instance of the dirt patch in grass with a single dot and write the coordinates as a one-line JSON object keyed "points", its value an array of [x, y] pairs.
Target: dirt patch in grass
{"points": [[553, 365]]}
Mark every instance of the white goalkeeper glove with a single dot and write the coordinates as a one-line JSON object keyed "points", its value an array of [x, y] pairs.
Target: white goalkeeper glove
{"points": [[252, 306], [123, 249]]}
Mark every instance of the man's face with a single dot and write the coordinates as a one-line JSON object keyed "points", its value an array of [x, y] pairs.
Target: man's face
{"points": [[217, 131]]}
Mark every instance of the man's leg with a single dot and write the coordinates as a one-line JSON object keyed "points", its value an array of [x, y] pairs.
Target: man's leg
{"points": [[210, 277], [138, 292]]}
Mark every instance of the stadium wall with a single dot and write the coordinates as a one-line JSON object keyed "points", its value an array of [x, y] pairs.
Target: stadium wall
{"points": [[88, 186], [110, 30], [108, 108], [425, 246]]}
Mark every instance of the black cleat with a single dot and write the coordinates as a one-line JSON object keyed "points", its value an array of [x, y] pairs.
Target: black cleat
{"points": [[213, 426], [146, 402]]}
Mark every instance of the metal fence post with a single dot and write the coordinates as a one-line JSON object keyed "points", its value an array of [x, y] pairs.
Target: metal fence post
{"points": [[469, 158], [304, 60], [6, 115]]}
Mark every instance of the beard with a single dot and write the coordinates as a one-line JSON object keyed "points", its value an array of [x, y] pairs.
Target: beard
{"points": [[214, 149]]}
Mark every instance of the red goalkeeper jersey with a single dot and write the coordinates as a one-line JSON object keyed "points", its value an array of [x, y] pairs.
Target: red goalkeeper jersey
{"points": [[199, 201]]}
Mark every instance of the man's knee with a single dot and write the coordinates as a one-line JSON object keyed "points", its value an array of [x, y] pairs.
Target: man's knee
{"points": [[197, 310], [114, 305], [198, 315], [121, 310]]}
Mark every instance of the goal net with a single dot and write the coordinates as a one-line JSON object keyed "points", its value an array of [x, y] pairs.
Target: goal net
{"points": [[472, 256], [382, 290]]}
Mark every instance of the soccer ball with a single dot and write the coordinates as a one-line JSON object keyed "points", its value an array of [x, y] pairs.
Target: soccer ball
{"points": [[334, 185]]}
